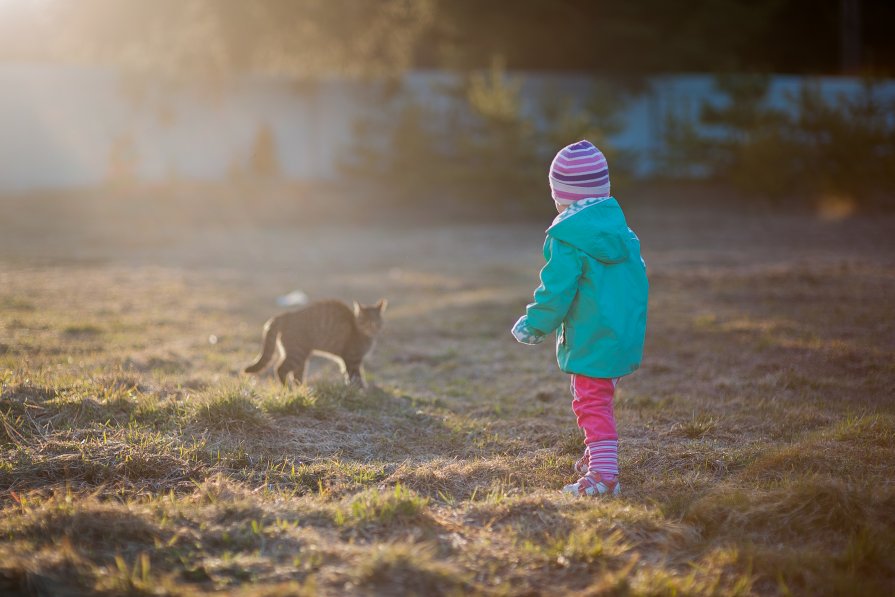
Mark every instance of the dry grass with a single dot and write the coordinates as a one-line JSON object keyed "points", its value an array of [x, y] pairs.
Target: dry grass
{"points": [[757, 442]]}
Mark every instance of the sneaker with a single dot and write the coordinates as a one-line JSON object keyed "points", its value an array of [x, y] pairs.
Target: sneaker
{"points": [[581, 464], [592, 485]]}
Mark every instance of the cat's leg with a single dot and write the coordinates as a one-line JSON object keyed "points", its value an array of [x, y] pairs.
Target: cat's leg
{"points": [[354, 373], [294, 363], [283, 372], [298, 373]]}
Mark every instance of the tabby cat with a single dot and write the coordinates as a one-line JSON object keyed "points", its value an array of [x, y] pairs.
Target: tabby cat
{"points": [[330, 328]]}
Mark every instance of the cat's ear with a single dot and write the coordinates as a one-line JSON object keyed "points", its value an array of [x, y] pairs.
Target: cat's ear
{"points": [[356, 308], [381, 305]]}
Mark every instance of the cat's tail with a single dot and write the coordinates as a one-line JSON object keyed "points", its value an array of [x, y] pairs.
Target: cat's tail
{"points": [[271, 331]]}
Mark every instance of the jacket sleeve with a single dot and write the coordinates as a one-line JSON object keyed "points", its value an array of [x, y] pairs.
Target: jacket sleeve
{"points": [[559, 285]]}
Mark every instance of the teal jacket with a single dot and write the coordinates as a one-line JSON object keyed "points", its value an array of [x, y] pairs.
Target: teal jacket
{"points": [[593, 291]]}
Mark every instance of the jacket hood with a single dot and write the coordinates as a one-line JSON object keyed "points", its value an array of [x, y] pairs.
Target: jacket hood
{"points": [[596, 226]]}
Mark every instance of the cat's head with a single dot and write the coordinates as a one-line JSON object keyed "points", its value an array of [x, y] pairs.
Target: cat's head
{"points": [[369, 317]]}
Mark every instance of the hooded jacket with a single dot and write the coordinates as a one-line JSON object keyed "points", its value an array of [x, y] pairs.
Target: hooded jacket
{"points": [[593, 292]]}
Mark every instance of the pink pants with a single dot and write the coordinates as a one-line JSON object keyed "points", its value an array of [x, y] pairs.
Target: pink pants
{"points": [[592, 404]]}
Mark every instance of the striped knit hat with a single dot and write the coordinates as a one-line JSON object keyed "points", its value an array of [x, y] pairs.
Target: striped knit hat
{"points": [[579, 171]]}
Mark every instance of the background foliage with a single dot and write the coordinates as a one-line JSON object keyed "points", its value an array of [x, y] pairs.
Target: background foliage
{"points": [[480, 136], [814, 147], [307, 37]]}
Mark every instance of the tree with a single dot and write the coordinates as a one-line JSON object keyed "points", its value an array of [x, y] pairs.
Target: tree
{"points": [[303, 38]]}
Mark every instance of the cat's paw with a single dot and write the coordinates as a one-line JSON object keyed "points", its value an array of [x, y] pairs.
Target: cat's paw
{"points": [[357, 382]]}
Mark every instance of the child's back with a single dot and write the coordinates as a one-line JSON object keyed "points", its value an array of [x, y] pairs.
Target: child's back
{"points": [[600, 304]]}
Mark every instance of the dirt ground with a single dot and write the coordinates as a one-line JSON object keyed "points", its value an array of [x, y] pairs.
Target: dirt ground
{"points": [[757, 441]]}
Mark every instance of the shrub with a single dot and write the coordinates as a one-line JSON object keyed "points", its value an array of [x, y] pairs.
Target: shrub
{"points": [[476, 137], [598, 118], [816, 147]]}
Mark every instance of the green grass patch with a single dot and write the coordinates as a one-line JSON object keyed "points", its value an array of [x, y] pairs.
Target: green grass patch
{"points": [[230, 408], [388, 507]]}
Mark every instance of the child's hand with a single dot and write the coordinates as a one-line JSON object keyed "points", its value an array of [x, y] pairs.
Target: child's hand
{"points": [[525, 334]]}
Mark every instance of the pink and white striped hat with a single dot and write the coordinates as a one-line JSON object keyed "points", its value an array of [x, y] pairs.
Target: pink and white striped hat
{"points": [[579, 171]]}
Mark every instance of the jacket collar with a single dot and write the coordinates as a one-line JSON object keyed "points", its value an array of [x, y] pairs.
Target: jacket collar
{"points": [[577, 207]]}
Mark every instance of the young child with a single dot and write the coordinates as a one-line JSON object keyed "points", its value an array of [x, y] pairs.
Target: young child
{"points": [[594, 291]]}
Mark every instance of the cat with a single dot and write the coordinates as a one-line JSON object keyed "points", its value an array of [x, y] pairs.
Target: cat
{"points": [[328, 327]]}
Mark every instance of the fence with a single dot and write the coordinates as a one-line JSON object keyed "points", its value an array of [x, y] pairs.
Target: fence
{"points": [[65, 127]]}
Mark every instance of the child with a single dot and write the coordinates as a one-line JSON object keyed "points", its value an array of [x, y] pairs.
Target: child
{"points": [[594, 290]]}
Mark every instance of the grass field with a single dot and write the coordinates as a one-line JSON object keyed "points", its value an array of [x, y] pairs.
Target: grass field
{"points": [[757, 441]]}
